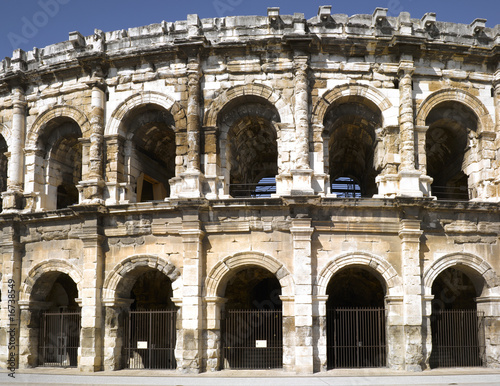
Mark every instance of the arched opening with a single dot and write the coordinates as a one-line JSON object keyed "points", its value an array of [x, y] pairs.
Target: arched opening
{"points": [[249, 144], [457, 327], [59, 322], [252, 329], [350, 126], [449, 142], [3, 166], [150, 324], [150, 160], [355, 320], [59, 142]]}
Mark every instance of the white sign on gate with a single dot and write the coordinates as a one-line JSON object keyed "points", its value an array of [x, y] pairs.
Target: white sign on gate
{"points": [[261, 343], [142, 344]]}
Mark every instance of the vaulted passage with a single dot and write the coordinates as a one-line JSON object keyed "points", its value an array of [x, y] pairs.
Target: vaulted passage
{"points": [[250, 146], [457, 327], [450, 141], [59, 328], [350, 126], [355, 320], [252, 329], [150, 324], [62, 151], [150, 151]]}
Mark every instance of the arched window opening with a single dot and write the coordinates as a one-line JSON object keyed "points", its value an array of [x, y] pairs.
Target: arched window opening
{"points": [[252, 327], [150, 324], [151, 163], [63, 162], [253, 155], [59, 324], [457, 327], [452, 128], [350, 135], [355, 320], [3, 166]]}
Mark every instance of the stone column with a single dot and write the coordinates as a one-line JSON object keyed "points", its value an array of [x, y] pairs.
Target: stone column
{"points": [[302, 174], [496, 93], [91, 336], [408, 175], [192, 306], [490, 305], [421, 161], [192, 177], [114, 332], [11, 253], [395, 332], [12, 198], [92, 175], [30, 314], [319, 337], [214, 310], [214, 182], [119, 191], [410, 234], [302, 231]]}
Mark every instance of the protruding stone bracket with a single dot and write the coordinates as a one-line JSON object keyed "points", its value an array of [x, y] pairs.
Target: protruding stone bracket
{"points": [[379, 16], [76, 39], [428, 20], [273, 14], [325, 12], [478, 26]]}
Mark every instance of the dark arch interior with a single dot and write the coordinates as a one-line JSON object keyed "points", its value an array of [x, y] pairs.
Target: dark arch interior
{"points": [[447, 145], [153, 137], [253, 288], [454, 290], [252, 150], [355, 287], [63, 294], [350, 128], [152, 291], [457, 333], [60, 141]]}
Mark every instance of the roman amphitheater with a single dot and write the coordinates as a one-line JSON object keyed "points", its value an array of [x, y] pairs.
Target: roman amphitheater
{"points": [[253, 192]]}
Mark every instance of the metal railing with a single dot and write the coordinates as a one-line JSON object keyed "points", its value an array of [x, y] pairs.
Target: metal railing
{"points": [[59, 339], [150, 337], [457, 338], [356, 338], [252, 339]]}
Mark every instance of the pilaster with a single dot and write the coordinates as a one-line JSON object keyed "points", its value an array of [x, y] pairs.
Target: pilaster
{"points": [[410, 234], [192, 305], [302, 231], [11, 253], [192, 178], [92, 174], [409, 177], [91, 336], [12, 199], [302, 174]]}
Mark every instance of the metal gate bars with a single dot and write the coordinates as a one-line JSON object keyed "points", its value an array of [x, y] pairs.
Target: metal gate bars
{"points": [[356, 338], [150, 338], [252, 339], [457, 338], [59, 339]]}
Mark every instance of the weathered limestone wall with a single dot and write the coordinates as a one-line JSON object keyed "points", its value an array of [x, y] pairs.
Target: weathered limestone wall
{"points": [[185, 109]]}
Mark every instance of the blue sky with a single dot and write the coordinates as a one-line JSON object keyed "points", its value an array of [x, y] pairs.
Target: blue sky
{"points": [[37, 23]]}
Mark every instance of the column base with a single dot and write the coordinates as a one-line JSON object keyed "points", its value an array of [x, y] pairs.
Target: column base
{"points": [[12, 201], [302, 182]]}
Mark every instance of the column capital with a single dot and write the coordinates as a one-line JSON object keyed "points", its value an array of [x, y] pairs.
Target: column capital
{"points": [[406, 67]]}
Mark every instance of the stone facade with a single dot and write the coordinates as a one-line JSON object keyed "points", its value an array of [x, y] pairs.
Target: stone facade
{"points": [[144, 150]]}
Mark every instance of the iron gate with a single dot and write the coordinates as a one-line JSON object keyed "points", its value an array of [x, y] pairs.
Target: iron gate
{"points": [[150, 338], [252, 339], [457, 338], [59, 339], [356, 337]]}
